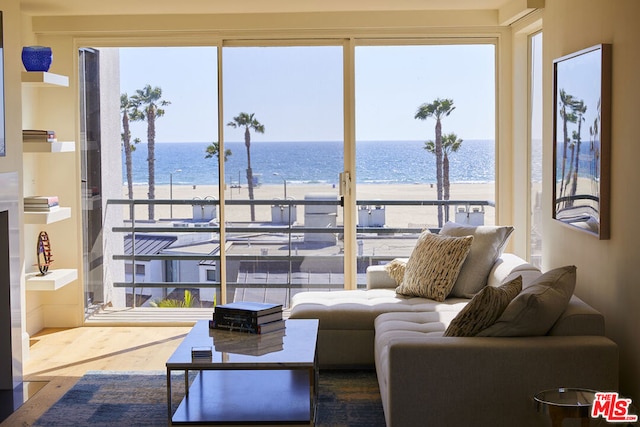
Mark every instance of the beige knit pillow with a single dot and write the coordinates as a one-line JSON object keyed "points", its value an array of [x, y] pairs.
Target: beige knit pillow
{"points": [[484, 309], [434, 265], [396, 269]]}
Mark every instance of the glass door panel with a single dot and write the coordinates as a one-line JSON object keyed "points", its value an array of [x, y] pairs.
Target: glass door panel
{"points": [[410, 100], [283, 114]]}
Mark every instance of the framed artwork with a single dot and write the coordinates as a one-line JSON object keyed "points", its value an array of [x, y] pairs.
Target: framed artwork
{"points": [[582, 139]]}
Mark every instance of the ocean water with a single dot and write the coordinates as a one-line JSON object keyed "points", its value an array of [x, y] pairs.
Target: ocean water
{"points": [[384, 162]]}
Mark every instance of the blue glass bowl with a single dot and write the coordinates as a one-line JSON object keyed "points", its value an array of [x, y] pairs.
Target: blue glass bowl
{"points": [[37, 58]]}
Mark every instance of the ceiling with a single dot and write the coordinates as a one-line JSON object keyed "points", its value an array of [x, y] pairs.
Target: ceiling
{"points": [[138, 7]]}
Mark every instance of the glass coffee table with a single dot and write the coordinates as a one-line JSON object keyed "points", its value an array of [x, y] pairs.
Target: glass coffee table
{"points": [[267, 378], [561, 403]]}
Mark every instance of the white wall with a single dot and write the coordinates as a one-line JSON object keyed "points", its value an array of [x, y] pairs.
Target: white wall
{"points": [[607, 270]]}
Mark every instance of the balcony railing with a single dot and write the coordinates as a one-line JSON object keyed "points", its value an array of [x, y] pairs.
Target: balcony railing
{"points": [[271, 258]]}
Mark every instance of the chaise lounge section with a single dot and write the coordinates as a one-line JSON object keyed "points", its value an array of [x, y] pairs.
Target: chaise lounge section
{"points": [[427, 378]]}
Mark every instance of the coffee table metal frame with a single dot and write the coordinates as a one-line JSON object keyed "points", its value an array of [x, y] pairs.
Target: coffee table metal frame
{"points": [[279, 387]]}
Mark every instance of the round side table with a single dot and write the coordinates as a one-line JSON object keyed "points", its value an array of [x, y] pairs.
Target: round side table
{"points": [[563, 403]]}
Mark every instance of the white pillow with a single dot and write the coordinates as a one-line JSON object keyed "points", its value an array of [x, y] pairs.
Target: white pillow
{"points": [[540, 304], [434, 265], [488, 244]]}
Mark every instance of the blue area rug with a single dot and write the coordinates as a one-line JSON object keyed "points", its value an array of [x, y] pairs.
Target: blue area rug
{"points": [[110, 398]]}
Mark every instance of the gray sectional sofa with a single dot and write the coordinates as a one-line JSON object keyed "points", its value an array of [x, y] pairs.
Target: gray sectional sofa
{"points": [[428, 379]]}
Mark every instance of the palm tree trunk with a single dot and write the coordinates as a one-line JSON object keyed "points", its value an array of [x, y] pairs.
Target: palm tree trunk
{"points": [[446, 184], [576, 166], [151, 139], [564, 150], [127, 153], [247, 143], [439, 168]]}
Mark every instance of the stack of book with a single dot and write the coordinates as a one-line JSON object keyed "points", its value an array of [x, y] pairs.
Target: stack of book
{"points": [[201, 354], [36, 135], [251, 317], [41, 203]]}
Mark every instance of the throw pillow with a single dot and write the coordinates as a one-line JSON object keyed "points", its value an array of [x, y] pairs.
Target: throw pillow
{"points": [[396, 269], [434, 265], [488, 244], [483, 309], [534, 311]]}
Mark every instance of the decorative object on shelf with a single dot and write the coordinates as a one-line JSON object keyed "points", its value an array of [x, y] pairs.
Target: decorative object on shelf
{"points": [[582, 139], [43, 253], [37, 58]]}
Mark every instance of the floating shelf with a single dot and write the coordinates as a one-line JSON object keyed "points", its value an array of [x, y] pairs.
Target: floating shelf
{"points": [[59, 214], [53, 280], [40, 78], [49, 147]]}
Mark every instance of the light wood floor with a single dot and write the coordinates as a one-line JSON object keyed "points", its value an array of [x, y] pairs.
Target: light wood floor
{"points": [[62, 356]]}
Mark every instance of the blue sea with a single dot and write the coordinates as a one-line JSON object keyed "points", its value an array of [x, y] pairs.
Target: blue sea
{"points": [[377, 162]]}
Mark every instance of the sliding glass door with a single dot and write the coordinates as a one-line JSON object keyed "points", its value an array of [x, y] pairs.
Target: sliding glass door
{"points": [[415, 104], [284, 151]]}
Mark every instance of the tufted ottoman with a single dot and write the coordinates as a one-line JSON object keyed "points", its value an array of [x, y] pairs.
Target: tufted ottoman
{"points": [[346, 332]]}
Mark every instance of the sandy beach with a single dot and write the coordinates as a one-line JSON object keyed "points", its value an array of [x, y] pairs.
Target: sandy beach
{"points": [[395, 216]]}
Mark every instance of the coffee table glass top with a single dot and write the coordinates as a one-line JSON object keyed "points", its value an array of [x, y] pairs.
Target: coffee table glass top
{"points": [[293, 346], [573, 397]]}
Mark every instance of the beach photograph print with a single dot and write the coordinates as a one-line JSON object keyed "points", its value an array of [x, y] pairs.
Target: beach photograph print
{"points": [[582, 104]]}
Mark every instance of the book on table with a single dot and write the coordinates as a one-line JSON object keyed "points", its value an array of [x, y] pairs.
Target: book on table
{"points": [[263, 328], [248, 316]]}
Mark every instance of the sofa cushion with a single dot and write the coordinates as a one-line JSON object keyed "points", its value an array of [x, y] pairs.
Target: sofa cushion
{"points": [[484, 309], [488, 244], [357, 309], [396, 269], [434, 265], [539, 305]]}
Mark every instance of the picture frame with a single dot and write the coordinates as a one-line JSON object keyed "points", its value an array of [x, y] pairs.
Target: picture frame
{"points": [[582, 140]]}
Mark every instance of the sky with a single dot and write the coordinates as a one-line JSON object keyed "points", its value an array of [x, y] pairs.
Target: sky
{"points": [[297, 92]]}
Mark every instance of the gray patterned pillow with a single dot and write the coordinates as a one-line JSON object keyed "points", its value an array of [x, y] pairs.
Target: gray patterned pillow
{"points": [[484, 309], [434, 265], [534, 311], [488, 244]]}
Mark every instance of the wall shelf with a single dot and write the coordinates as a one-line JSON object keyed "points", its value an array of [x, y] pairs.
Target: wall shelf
{"points": [[56, 215], [49, 147], [44, 79], [52, 281]]}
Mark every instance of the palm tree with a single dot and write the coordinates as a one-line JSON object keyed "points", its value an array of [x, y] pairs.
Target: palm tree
{"points": [[566, 100], [126, 108], [438, 109], [450, 144], [214, 150], [147, 106], [580, 109], [248, 122], [594, 149]]}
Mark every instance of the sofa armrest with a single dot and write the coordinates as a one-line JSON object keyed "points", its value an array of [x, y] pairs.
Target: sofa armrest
{"points": [[486, 381], [378, 277]]}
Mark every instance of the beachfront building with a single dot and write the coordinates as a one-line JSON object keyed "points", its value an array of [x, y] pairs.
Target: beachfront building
{"points": [[86, 37]]}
